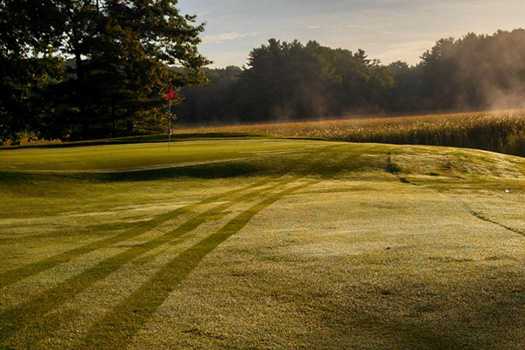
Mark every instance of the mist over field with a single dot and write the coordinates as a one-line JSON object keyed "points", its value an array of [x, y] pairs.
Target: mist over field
{"points": [[291, 80]]}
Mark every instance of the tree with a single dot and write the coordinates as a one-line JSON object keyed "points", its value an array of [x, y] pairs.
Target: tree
{"points": [[405, 93], [290, 80], [215, 101], [124, 58], [118, 55], [30, 32]]}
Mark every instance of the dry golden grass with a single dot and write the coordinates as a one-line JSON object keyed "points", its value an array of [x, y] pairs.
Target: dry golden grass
{"points": [[499, 131]]}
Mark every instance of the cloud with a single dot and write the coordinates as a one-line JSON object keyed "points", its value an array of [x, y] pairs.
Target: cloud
{"points": [[413, 49], [224, 37], [387, 29], [314, 27]]}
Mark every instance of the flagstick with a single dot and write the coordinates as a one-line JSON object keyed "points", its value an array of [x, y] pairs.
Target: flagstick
{"points": [[170, 96], [169, 126]]}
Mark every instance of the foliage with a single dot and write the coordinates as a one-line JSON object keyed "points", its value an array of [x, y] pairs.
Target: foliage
{"points": [[289, 80], [28, 32], [116, 57], [74, 69]]}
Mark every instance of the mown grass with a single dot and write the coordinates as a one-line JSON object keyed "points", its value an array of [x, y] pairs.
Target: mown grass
{"points": [[139, 157], [494, 131], [265, 243]]}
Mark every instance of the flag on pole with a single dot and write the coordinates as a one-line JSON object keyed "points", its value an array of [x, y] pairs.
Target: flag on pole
{"points": [[170, 94]]}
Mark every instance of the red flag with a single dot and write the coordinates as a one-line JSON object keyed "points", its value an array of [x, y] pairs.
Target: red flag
{"points": [[170, 94]]}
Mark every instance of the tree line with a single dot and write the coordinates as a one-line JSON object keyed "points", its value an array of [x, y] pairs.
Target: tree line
{"points": [[81, 69], [75, 69], [291, 80]]}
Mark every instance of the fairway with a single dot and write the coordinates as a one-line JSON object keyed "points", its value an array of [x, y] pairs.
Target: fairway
{"points": [[261, 243]]}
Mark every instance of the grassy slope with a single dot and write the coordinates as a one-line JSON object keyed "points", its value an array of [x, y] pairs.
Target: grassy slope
{"points": [[132, 156], [285, 244]]}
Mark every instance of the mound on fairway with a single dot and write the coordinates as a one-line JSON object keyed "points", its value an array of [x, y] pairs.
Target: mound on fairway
{"points": [[262, 244]]}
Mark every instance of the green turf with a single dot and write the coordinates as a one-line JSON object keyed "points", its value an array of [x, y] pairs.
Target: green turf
{"points": [[261, 244], [139, 156]]}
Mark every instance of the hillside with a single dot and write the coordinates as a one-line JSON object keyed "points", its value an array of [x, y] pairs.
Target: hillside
{"points": [[209, 242]]}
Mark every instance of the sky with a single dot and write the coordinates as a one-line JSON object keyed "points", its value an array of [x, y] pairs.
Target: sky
{"points": [[389, 30]]}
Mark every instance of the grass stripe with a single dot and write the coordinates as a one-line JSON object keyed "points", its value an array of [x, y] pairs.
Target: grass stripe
{"points": [[35, 317], [10, 277], [32, 312], [126, 319]]}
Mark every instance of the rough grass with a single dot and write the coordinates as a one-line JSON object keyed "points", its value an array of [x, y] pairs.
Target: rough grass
{"points": [[494, 131], [263, 244]]}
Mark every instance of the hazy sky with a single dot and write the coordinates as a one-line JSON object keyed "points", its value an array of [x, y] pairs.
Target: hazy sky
{"points": [[387, 29]]}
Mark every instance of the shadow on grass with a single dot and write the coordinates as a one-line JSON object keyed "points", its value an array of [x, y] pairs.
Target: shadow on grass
{"points": [[326, 162], [16, 275], [482, 310], [32, 315], [228, 169], [488, 321], [126, 319], [136, 139]]}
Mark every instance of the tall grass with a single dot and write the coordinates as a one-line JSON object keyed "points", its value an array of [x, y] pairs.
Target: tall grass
{"points": [[502, 131]]}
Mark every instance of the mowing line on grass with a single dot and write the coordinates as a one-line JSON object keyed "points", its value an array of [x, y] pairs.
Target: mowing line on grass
{"points": [[485, 218], [23, 316], [34, 311], [465, 206], [10, 277], [117, 328], [120, 171]]}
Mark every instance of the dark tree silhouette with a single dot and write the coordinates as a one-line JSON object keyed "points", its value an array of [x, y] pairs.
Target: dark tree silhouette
{"points": [[82, 69]]}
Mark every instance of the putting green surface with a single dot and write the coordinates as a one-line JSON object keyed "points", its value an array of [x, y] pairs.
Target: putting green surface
{"points": [[261, 244], [140, 156]]}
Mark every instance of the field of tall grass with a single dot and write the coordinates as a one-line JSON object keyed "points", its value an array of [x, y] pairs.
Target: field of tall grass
{"points": [[499, 131]]}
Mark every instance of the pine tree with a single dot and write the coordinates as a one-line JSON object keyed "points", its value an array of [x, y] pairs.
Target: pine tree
{"points": [[117, 57]]}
